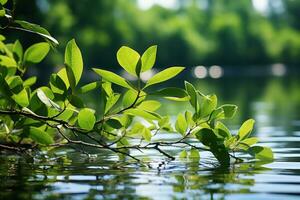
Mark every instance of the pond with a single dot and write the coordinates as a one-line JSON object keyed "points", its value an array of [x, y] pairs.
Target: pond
{"points": [[273, 102]]}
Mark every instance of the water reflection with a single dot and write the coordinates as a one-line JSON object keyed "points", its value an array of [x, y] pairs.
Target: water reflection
{"points": [[77, 177], [274, 103]]}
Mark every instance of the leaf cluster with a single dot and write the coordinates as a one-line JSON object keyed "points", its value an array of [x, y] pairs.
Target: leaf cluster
{"points": [[56, 114]]}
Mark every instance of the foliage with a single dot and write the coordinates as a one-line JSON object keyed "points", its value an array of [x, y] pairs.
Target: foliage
{"points": [[56, 114], [222, 32]]}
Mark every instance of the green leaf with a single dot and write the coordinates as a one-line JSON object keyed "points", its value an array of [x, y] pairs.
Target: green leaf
{"points": [[112, 77], [21, 98], [194, 154], [86, 119], [74, 63], [245, 129], [57, 84], [7, 61], [89, 87], [149, 105], [18, 50], [76, 101], [2, 2], [183, 154], [172, 93], [148, 58], [63, 75], [208, 105], [129, 98], [181, 124], [46, 100], [164, 75], [193, 95], [261, 153], [229, 110], [36, 53], [34, 28], [2, 12], [128, 59], [111, 101], [247, 143], [189, 118], [4, 87], [145, 114], [39, 136], [146, 133], [208, 138], [15, 84], [222, 130], [114, 123], [30, 81], [250, 141]]}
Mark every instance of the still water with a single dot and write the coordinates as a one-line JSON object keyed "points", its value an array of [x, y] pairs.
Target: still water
{"points": [[273, 102]]}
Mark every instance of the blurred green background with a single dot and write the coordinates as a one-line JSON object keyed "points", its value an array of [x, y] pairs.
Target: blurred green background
{"points": [[187, 32], [245, 51]]}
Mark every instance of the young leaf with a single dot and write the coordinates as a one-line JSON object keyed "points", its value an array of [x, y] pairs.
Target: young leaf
{"points": [[229, 110], [208, 138], [181, 124], [172, 93], [129, 98], [114, 123], [34, 28], [21, 98], [89, 87], [2, 11], [37, 52], [112, 77], [63, 75], [86, 119], [149, 105], [57, 84], [145, 114], [30, 81], [245, 129], [39, 136], [2, 2], [7, 61], [18, 50], [208, 105], [148, 58], [76, 101], [128, 59], [189, 118], [46, 100], [111, 101], [74, 63], [247, 143], [222, 130], [164, 75], [261, 153], [146, 133], [193, 95]]}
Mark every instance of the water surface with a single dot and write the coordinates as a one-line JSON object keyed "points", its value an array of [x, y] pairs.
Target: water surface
{"points": [[274, 103]]}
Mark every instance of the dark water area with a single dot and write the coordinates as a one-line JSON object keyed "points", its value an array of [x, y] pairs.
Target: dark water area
{"points": [[274, 102]]}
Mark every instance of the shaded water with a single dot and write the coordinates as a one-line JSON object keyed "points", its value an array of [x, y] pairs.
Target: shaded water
{"points": [[274, 103]]}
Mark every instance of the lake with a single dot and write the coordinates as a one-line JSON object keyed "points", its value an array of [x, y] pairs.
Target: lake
{"points": [[274, 102]]}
